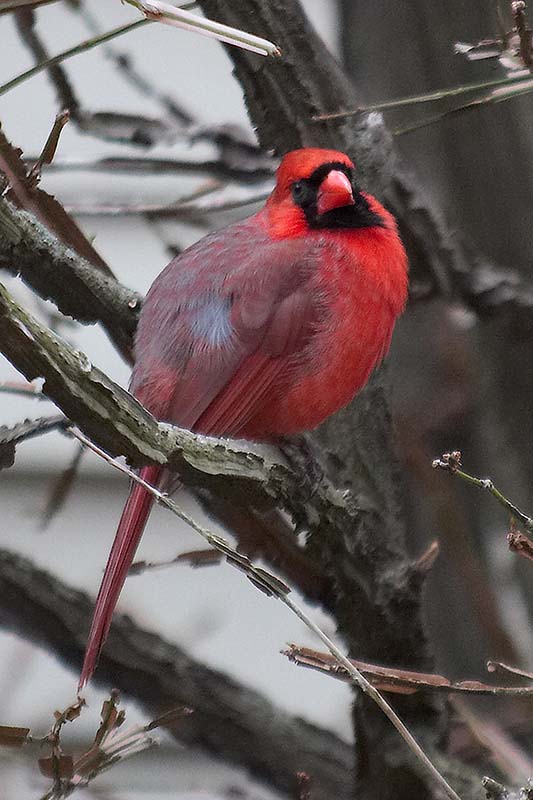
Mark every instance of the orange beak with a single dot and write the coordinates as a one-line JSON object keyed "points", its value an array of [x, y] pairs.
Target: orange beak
{"points": [[335, 191]]}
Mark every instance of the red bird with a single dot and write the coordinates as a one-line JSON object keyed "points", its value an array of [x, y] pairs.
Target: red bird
{"points": [[263, 329]]}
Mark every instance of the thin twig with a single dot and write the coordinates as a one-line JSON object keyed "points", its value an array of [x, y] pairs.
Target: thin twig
{"points": [[25, 20], [365, 685], [394, 680], [147, 86], [451, 462], [253, 171], [430, 97], [193, 558], [268, 583], [497, 96], [159, 11], [24, 389], [232, 143], [50, 146], [113, 743], [273, 587], [503, 89], [180, 209], [507, 669], [82, 47]]}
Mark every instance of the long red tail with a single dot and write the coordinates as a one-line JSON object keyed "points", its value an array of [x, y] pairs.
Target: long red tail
{"points": [[130, 529]]}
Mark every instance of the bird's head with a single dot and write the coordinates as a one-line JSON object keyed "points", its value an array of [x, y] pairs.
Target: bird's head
{"points": [[317, 189]]}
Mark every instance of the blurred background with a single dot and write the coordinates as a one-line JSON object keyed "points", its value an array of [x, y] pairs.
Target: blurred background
{"points": [[456, 382]]}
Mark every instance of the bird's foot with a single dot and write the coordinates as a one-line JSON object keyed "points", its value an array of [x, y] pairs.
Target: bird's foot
{"points": [[303, 460]]}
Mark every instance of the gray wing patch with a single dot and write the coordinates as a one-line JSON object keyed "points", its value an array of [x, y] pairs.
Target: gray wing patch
{"points": [[209, 320]]}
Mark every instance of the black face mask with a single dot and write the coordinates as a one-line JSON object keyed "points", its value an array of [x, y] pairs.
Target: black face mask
{"points": [[358, 215]]}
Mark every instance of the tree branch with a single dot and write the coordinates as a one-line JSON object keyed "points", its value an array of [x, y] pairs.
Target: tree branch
{"points": [[57, 273], [10, 437], [249, 166]]}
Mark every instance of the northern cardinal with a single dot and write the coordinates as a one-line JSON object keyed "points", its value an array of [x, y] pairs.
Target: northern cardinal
{"points": [[263, 329]]}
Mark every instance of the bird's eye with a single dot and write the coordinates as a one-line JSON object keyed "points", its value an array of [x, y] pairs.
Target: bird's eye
{"points": [[300, 192]]}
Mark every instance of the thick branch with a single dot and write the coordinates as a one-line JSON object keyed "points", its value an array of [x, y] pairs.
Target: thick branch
{"points": [[56, 273], [234, 723], [246, 477]]}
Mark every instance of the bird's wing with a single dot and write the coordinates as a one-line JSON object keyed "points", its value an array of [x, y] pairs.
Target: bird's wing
{"points": [[220, 326]]}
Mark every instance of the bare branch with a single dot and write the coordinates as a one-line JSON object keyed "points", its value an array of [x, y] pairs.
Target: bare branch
{"points": [[451, 463], [11, 436], [147, 85], [421, 99], [192, 558], [177, 16], [506, 669], [24, 191], [181, 209], [55, 272], [252, 167], [400, 681]]}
